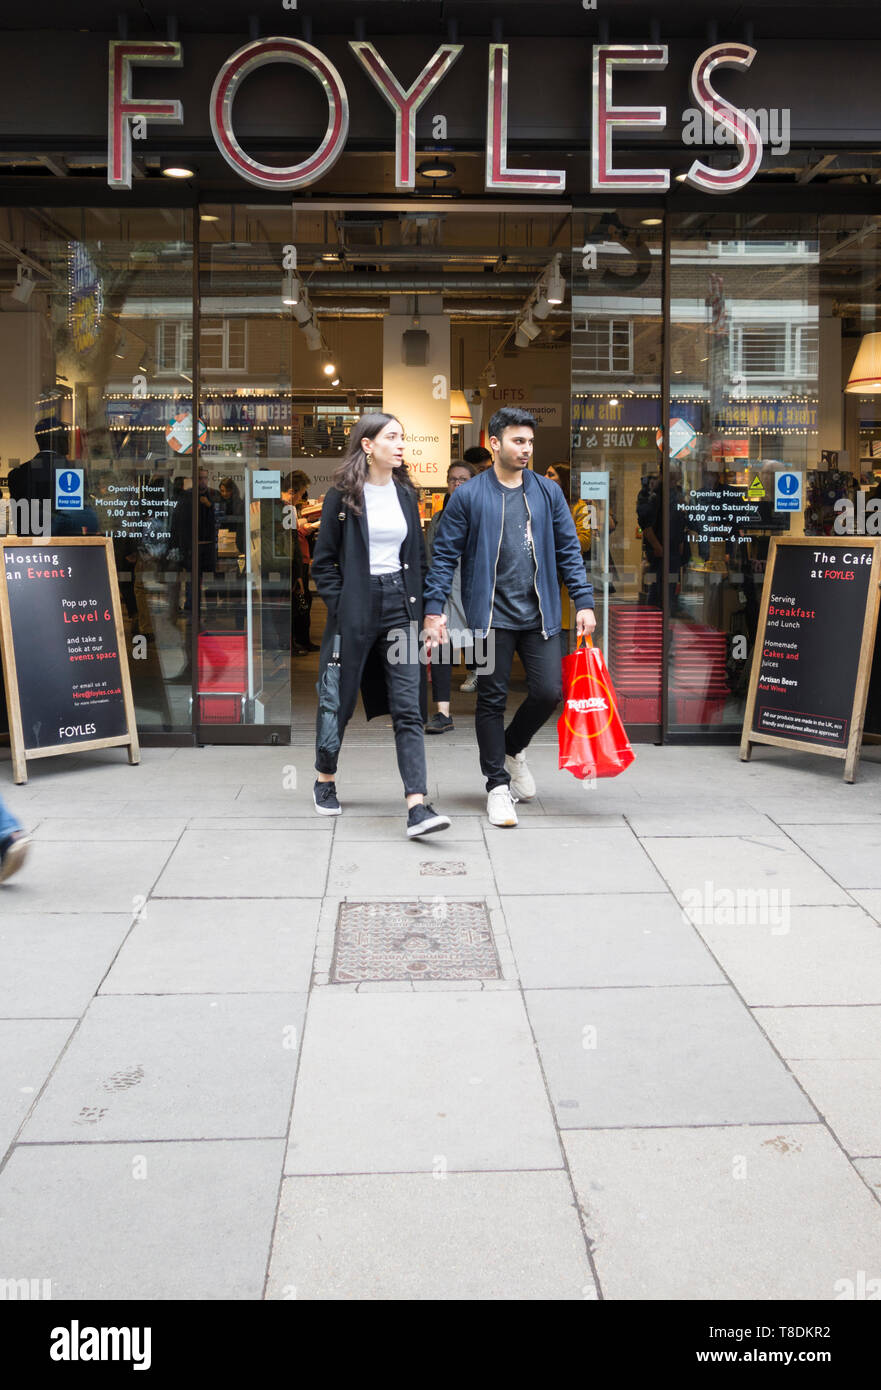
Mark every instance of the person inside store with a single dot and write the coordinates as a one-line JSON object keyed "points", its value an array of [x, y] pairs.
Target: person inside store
{"points": [[441, 670], [479, 458], [301, 611], [650, 518], [513, 532], [368, 567], [14, 843], [34, 482], [182, 533]]}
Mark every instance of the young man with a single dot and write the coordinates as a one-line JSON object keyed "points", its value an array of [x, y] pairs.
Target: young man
{"points": [[513, 531]]}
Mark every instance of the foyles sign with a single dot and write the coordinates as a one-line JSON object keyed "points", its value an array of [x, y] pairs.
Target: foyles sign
{"points": [[608, 117]]}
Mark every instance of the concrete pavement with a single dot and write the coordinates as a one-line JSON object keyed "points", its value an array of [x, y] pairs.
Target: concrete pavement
{"points": [[670, 1089]]}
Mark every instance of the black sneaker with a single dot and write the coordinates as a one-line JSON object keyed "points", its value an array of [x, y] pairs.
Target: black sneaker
{"points": [[324, 798], [439, 724], [424, 819]]}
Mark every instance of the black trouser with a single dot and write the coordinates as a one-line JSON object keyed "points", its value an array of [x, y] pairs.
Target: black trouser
{"points": [[394, 634], [544, 684], [442, 661]]}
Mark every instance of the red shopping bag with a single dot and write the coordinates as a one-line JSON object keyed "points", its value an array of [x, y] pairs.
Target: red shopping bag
{"points": [[592, 738]]}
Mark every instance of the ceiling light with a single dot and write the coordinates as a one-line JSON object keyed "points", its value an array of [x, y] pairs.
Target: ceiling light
{"points": [[682, 178], [290, 289], [527, 332], [329, 369], [492, 378], [865, 374], [312, 334], [24, 287], [209, 217], [177, 169], [459, 412], [436, 169], [652, 221], [556, 289], [542, 306], [613, 400], [336, 381], [303, 309]]}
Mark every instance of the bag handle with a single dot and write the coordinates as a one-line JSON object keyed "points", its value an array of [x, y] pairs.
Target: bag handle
{"points": [[587, 641]]}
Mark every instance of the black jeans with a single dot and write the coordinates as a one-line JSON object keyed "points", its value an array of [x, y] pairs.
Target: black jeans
{"points": [[541, 659], [394, 633]]}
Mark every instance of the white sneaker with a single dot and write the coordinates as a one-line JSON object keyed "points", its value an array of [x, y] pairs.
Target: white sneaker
{"points": [[500, 806], [469, 684], [522, 780]]}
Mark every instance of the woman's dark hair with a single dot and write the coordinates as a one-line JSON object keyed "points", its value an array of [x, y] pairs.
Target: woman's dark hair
{"points": [[300, 480], [564, 473], [460, 463], [351, 474]]}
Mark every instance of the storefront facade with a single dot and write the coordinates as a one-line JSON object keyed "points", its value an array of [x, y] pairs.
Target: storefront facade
{"points": [[660, 234]]}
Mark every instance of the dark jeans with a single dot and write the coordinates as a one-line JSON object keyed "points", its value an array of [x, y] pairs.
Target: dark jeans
{"points": [[443, 659], [393, 632], [541, 659]]}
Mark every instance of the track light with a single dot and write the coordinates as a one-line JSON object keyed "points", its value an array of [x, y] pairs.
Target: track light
{"points": [[290, 289], [491, 376], [527, 332], [24, 287], [121, 346], [303, 309], [542, 306], [556, 291], [329, 369]]}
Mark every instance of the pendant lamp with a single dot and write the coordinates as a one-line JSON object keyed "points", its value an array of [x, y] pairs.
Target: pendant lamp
{"points": [[459, 412], [865, 374]]}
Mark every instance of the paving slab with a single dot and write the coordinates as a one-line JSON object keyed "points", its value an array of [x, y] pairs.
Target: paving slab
{"points": [[721, 819], [576, 861], [451, 1236], [767, 863], [245, 864], [850, 854], [848, 1096], [186, 946], [824, 1034], [109, 828], [174, 1067], [870, 1169], [29, 1048], [389, 1082], [802, 955], [756, 1212], [605, 939], [52, 963], [390, 829], [141, 1221], [65, 876], [870, 900], [361, 869], [659, 1056]]}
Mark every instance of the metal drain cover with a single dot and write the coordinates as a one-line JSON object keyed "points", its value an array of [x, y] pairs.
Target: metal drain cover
{"points": [[414, 941]]}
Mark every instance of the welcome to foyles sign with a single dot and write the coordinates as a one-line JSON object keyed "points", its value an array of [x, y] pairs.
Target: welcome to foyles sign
{"points": [[129, 114]]}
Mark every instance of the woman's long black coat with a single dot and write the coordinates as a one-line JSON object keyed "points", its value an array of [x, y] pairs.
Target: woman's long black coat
{"points": [[341, 570]]}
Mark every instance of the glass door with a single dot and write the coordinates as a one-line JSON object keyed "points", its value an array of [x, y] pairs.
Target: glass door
{"points": [[617, 358]]}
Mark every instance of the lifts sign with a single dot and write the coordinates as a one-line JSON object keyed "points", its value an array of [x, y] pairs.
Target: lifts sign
{"points": [[609, 118]]}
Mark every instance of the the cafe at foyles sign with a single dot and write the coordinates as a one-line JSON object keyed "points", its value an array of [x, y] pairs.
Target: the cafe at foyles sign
{"points": [[610, 118]]}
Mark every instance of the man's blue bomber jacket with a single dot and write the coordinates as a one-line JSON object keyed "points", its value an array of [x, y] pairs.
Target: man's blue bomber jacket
{"points": [[471, 528]]}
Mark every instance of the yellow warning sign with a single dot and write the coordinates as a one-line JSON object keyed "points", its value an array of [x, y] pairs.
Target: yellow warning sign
{"points": [[755, 489]]}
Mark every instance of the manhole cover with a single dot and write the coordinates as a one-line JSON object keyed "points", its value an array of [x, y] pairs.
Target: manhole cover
{"points": [[414, 941], [442, 869]]}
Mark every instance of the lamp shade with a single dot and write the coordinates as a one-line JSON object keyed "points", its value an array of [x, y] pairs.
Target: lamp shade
{"points": [[865, 374], [459, 412]]}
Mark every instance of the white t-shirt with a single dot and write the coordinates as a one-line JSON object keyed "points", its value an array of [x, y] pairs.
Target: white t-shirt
{"points": [[386, 526]]}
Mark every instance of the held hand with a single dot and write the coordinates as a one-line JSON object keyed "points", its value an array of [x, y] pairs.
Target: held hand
{"points": [[585, 622], [435, 629]]}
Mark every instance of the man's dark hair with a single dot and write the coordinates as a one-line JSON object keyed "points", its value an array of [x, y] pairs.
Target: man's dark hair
{"points": [[477, 456], [51, 435], [507, 416]]}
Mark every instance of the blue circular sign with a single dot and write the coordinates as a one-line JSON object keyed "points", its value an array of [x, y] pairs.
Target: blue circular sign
{"points": [[69, 482], [787, 483]]}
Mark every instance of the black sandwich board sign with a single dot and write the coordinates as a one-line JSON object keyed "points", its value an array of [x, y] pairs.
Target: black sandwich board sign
{"points": [[65, 666], [815, 643]]}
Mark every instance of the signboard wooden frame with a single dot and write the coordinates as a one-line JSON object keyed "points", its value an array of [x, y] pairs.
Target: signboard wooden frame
{"points": [[21, 755], [851, 751]]}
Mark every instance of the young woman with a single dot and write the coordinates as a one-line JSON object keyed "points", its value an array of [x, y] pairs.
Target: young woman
{"points": [[441, 667], [368, 566]]}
